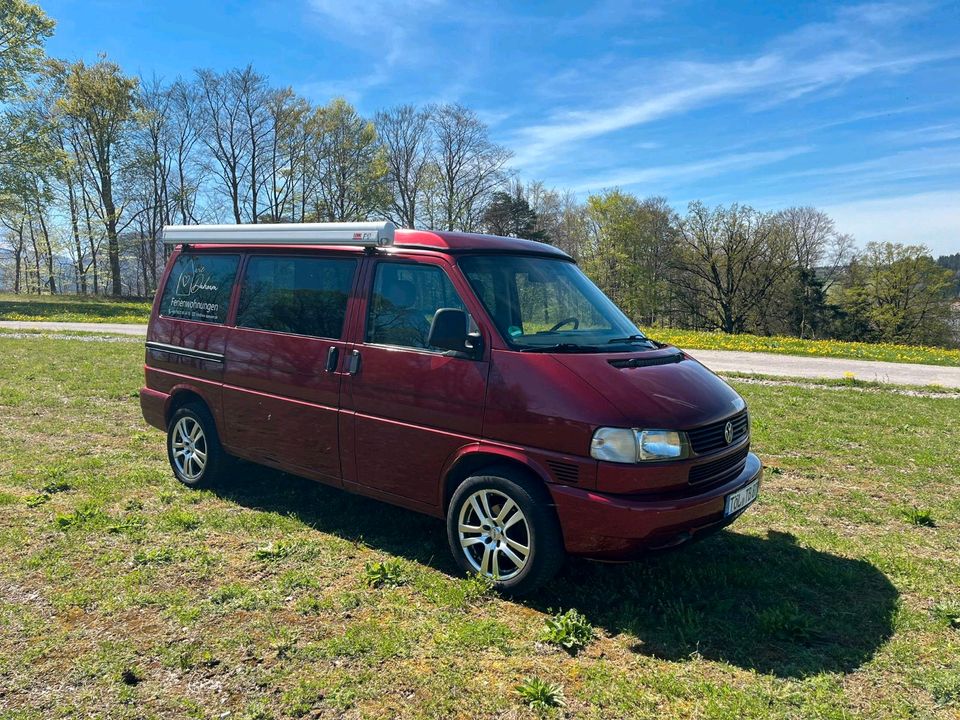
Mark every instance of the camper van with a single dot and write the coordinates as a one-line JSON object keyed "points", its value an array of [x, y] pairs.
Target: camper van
{"points": [[484, 380]]}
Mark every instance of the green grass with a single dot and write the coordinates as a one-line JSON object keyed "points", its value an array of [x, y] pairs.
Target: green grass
{"points": [[125, 595], [889, 352], [73, 308]]}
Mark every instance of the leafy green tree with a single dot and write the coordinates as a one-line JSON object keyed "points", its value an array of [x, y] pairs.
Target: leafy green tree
{"points": [[899, 293], [24, 28], [100, 102], [351, 165], [510, 214], [24, 141], [632, 247]]}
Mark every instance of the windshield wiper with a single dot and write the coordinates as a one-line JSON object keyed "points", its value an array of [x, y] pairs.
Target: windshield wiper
{"points": [[561, 348]]}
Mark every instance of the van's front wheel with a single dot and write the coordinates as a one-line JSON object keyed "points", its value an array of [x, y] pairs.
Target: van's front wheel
{"points": [[502, 526], [193, 447]]}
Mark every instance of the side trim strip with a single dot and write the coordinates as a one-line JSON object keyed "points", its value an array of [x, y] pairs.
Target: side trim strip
{"points": [[185, 352]]}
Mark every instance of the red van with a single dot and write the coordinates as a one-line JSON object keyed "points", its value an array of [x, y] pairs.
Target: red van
{"points": [[481, 379]]}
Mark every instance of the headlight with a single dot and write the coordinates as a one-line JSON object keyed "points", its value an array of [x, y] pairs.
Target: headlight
{"points": [[615, 445], [630, 446], [659, 445]]}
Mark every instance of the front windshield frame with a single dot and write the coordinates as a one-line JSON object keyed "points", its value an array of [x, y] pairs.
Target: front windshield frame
{"points": [[503, 304]]}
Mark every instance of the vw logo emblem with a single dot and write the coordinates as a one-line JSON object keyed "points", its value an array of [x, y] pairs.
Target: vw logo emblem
{"points": [[728, 432]]}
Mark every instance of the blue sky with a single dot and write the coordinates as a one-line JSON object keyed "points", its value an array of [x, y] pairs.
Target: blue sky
{"points": [[854, 108]]}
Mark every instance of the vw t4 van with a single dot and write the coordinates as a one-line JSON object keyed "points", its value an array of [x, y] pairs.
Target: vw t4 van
{"points": [[480, 379]]}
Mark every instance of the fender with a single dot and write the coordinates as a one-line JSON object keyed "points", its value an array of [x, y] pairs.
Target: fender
{"points": [[490, 451]]}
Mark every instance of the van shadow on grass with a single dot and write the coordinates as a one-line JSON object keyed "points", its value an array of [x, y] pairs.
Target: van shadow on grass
{"points": [[764, 604]]}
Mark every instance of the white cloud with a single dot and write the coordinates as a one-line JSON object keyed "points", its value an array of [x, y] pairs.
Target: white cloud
{"points": [[664, 175], [931, 219], [816, 58]]}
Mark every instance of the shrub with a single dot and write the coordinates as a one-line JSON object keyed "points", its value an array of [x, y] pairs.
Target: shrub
{"points": [[391, 572], [919, 516], [273, 551], [570, 630], [540, 695]]}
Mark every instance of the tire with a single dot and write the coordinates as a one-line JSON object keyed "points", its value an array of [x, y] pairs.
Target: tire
{"points": [[193, 447], [492, 518]]}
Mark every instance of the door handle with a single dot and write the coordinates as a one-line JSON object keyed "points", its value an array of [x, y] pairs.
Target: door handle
{"points": [[333, 354], [354, 366]]}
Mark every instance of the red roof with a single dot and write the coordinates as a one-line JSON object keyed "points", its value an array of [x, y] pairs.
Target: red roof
{"points": [[462, 242]]}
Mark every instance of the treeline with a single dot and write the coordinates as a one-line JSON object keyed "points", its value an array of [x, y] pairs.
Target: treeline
{"points": [[93, 163]]}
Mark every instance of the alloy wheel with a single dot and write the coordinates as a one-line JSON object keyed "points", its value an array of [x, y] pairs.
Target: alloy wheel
{"points": [[494, 534], [189, 449]]}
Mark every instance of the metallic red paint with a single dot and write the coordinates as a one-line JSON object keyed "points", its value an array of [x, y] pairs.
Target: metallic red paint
{"points": [[407, 419]]}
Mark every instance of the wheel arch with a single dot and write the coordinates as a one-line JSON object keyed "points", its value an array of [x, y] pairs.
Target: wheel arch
{"points": [[470, 460], [181, 396]]}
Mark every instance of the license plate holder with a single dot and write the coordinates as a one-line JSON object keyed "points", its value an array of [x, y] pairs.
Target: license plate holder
{"points": [[740, 500]]}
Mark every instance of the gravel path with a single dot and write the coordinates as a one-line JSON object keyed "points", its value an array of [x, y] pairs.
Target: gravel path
{"points": [[717, 360]]}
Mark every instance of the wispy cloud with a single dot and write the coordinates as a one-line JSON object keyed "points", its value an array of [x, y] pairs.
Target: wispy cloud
{"points": [[813, 59], [385, 30], [665, 175]]}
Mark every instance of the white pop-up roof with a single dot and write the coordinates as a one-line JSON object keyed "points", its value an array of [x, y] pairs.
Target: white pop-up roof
{"points": [[363, 234]]}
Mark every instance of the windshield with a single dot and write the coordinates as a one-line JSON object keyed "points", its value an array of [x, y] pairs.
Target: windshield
{"points": [[546, 304]]}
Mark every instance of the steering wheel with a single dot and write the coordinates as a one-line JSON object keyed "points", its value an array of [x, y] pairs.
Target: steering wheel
{"points": [[566, 321]]}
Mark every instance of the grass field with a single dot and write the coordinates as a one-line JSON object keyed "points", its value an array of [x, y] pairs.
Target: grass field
{"points": [[889, 352], [124, 595], [72, 308]]}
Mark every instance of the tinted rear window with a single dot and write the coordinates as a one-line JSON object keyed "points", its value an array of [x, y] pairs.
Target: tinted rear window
{"points": [[299, 295], [199, 287]]}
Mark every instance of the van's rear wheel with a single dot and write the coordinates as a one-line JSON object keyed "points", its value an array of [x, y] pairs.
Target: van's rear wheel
{"points": [[501, 525], [193, 447]]}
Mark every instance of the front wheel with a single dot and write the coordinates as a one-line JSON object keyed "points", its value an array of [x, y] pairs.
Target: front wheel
{"points": [[503, 527]]}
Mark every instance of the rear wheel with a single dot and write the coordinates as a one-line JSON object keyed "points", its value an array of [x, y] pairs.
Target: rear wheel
{"points": [[193, 446], [502, 526]]}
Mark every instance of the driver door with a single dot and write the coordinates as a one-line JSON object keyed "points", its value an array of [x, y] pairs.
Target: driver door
{"points": [[412, 405]]}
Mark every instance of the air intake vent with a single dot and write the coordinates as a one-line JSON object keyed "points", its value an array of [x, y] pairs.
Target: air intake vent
{"points": [[719, 470], [564, 472], [675, 357]]}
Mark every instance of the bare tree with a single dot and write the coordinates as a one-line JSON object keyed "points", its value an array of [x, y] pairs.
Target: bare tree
{"points": [[470, 167], [225, 137], [405, 133], [728, 261]]}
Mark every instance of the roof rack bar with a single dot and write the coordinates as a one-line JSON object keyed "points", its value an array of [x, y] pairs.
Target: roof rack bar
{"points": [[361, 234]]}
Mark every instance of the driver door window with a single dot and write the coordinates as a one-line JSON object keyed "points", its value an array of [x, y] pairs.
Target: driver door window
{"points": [[404, 300]]}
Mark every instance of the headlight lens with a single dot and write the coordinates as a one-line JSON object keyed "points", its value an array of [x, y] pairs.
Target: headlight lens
{"points": [[630, 446], [614, 445], [659, 445]]}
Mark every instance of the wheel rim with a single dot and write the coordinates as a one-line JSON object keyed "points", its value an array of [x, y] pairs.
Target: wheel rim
{"points": [[494, 534], [189, 446]]}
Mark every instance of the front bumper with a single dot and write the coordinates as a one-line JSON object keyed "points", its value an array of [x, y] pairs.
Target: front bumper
{"points": [[617, 527]]}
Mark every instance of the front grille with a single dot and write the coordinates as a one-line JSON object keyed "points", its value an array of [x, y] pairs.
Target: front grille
{"points": [[719, 470], [710, 437], [564, 472]]}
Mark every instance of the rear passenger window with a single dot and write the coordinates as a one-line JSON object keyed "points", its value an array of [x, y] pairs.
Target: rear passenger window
{"points": [[405, 299], [199, 287], [299, 295]]}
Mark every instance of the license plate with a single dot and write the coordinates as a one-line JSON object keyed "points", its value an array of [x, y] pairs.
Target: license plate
{"points": [[741, 499]]}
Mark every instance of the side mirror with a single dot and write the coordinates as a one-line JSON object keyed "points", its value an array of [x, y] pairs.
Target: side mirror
{"points": [[450, 331]]}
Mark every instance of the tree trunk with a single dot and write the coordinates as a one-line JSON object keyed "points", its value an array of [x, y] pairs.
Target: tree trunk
{"points": [[51, 280], [75, 228], [113, 242], [36, 258]]}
